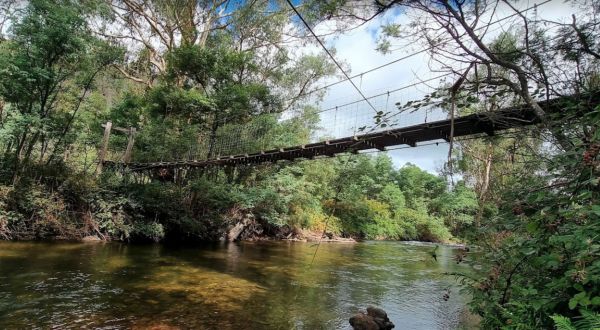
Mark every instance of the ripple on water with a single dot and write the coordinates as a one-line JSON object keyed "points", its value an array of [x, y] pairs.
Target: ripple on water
{"points": [[236, 286]]}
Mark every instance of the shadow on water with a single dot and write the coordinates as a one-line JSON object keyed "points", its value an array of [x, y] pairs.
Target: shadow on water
{"points": [[263, 285]]}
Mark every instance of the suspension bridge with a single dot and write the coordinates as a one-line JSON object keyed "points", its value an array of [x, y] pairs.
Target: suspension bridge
{"points": [[486, 123], [351, 127]]}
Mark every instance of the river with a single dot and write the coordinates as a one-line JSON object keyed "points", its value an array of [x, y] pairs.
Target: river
{"points": [[262, 285]]}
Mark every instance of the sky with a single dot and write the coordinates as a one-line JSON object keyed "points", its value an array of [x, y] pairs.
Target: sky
{"points": [[357, 49]]}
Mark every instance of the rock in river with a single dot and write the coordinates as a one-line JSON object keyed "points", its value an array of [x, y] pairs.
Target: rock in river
{"points": [[375, 319]]}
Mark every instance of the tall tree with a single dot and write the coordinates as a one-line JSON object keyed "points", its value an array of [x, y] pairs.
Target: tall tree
{"points": [[150, 30], [49, 55]]}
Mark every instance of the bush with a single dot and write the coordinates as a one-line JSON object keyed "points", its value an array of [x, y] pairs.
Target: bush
{"points": [[419, 225], [152, 230]]}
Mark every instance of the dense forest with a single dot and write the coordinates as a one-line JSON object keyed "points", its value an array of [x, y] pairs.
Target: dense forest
{"points": [[185, 73]]}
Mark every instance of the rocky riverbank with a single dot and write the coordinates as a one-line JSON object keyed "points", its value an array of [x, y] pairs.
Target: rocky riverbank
{"points": [[251, 230]]}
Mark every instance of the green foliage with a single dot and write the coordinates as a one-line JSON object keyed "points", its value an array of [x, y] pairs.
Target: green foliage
{"points": [[48, 37], [152, 230], [418, 225], [587, 320], [457, 207], [419, 185], [563, 323], [368, 218], [200, 92], [76, 208], [48, 66], [505, 46], [392, 195], [387, 215], [541, 247], [165, 100], [215, 72]]}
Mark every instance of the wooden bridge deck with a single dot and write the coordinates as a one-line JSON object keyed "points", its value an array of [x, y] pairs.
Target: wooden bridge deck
{"points": [[487, 123]]}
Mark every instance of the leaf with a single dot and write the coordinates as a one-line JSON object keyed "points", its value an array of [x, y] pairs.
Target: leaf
{"points": [[572, 303], [532, 227], [596, 209], [589, 320]]}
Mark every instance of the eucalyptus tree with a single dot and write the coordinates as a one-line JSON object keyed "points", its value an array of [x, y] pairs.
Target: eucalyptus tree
{"points": [[150, 30], [7, 8]]}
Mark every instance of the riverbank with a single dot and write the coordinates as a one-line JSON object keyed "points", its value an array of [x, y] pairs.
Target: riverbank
{"points": [[82, 210], [242, 231], [302, 236], [277, 203]]}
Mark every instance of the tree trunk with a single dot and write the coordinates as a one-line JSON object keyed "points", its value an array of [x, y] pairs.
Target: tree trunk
{"points": [[485, 184], [30, 147], [43, 148], [18, 152]]}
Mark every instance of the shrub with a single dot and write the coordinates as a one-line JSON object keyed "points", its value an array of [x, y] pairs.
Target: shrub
{"points": [[419, 225]]}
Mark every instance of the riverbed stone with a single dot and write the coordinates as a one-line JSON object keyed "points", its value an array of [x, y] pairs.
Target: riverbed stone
{"points": [[376, 312], [376, 319], [380, 317], [362, 321]]}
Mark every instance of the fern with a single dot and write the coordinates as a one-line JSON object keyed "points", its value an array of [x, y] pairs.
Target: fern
{"points": [[562, 323], [588, 320]]}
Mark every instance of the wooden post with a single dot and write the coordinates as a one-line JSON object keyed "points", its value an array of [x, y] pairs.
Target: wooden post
{"points": [[130, 141], [104, 147]]}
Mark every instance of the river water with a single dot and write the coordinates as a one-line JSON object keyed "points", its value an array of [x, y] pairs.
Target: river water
{"points": [[264, 285]]}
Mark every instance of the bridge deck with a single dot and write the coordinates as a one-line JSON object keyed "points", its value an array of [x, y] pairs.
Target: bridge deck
{"points": [[465, 125]]}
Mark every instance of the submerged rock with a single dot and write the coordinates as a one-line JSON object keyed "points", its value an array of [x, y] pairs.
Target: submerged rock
{"points": [[380, 317], [375, 319]]}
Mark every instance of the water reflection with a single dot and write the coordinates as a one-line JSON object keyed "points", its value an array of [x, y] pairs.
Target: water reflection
{"points": [[266, 285]]}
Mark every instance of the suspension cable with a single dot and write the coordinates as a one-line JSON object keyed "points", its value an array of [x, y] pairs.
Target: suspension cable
{"points": [[330, 55]]}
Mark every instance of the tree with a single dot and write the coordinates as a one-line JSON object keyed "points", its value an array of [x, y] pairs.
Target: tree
{"points": [[152, 30], [418, 185], [50, 54], [457, 207], [215, 76]]}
